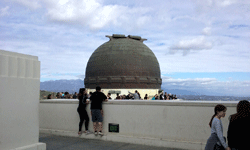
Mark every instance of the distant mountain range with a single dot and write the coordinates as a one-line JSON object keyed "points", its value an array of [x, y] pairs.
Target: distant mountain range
{"points": [[72, 86]]}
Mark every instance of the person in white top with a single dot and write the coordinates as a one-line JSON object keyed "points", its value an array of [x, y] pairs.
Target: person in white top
{"points": [[136, 96]]}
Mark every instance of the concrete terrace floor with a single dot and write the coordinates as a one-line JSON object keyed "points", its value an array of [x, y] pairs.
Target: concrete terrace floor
{"points": [[54, 142]]}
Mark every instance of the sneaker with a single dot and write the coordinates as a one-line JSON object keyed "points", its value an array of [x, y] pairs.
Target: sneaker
{"points": [[100, 133], [96, 133], [87, 132], [80, 133]]}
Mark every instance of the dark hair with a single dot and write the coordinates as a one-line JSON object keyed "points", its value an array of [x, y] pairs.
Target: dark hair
{"points": [[98, 88], [243, 107], [49, 96], [109, 93], [217, 108], [243, 110], [66, 93], [57, 94], [80, 94]]}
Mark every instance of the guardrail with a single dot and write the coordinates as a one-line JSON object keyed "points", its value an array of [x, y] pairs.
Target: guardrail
{"points": [[176, 124]]}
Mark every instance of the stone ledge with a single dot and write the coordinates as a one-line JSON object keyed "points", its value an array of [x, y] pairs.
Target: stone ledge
{"points": [[150, 102], [15, 54]]}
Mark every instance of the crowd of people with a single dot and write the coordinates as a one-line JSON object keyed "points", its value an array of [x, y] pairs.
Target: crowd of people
{"points": [[63, 95], [164, 97], [129, 96]]}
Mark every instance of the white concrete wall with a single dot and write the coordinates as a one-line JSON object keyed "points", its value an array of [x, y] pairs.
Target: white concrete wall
{"points": [[159, 123], [19, 100]]}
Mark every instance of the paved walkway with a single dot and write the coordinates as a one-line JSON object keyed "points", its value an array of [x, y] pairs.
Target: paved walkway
{"points": [[54, 142]]}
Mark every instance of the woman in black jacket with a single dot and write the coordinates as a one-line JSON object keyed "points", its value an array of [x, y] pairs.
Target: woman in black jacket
{"points": [[239, 127], [82, 97]]}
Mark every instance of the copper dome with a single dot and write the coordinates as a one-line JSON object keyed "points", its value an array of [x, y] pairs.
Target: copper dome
{"points": [[123, 63]]}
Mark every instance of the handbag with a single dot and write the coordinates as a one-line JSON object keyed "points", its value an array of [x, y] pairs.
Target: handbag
{"points": [[219, 147]]}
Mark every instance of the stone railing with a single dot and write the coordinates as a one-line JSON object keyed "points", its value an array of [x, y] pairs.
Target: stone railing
{"points": [[178, 124]]}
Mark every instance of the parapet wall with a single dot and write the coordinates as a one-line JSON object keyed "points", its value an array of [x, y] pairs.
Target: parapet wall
{"points": [[159, 123], [19, 100]]}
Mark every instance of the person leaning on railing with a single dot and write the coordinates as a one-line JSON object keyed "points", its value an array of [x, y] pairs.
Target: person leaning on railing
{"points": [[155, 97], [117, 96], [96, 109], [109, 96], [135, 95], [83, 102]]}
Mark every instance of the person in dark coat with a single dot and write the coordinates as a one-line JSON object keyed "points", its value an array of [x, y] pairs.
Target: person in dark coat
{"points": [[239, 127], [82, 97]]}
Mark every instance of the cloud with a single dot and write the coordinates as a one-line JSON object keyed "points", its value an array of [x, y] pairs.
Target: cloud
{"points": [[205, 4], [188, 81], [199, 43], [4, 11], [94, 14], [224, 3], [206, 31], [239, 26], [209, 85], [81, 76], [32, 4]]}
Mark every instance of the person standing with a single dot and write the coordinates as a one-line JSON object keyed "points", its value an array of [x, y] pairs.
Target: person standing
{"points": [[238, 128], [75, 95], [109, 96], [82, 97], [96, 109], [156, 97], [215, 124], [161, 96], [117, 96], [135, 95], [165, 96], [49, 96], [170, 96], [67, 95]]}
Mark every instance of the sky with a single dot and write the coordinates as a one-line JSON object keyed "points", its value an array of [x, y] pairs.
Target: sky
{"points": [[201, 45]]}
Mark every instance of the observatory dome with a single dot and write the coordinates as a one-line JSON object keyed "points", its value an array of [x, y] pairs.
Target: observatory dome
{"points": [[123, 63]]}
